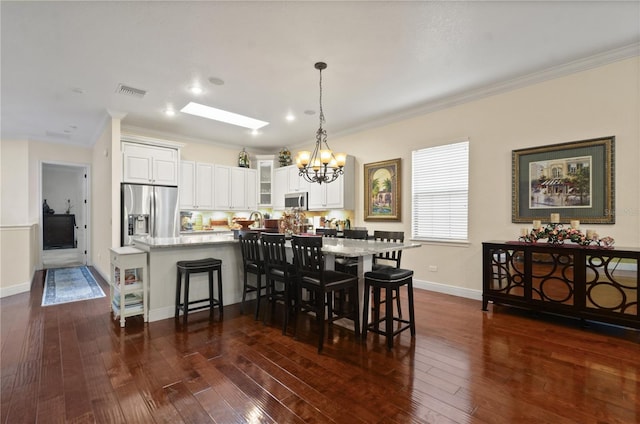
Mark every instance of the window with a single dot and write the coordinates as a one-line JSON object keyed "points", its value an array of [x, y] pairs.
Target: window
{"points": [[440, 192]]}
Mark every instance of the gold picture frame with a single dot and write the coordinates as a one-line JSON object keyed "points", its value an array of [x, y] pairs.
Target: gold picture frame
{"points": [[574, 180], [382, 191]]}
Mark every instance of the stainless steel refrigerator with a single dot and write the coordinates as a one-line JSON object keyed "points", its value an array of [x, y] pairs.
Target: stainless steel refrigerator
{"points": [[149, 210]]}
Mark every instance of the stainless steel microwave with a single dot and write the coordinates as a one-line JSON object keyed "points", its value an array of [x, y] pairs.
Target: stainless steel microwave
{"points": [[298, 199]]}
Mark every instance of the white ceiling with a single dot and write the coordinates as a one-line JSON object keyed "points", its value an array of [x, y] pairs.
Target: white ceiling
{"points": [[62, 61]]}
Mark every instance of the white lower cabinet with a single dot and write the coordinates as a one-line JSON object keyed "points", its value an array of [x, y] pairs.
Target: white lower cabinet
{"points": [[129, 284]]}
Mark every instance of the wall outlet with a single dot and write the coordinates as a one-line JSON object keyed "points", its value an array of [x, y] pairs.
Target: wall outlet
{"points": [[433, 268]]}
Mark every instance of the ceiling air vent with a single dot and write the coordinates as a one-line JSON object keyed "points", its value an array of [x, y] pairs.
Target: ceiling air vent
{"points": [[131, 91]]}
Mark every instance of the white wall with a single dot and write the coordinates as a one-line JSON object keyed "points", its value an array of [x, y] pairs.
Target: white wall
{"points": [[14, 198], [594, 103], [17, 231], [102, 189]]}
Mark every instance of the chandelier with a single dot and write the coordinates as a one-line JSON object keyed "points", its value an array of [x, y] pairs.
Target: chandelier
{"points": [[321, 165]]}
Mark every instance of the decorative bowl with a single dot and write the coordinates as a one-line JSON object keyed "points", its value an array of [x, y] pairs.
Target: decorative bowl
{"points": [[244, 223]]}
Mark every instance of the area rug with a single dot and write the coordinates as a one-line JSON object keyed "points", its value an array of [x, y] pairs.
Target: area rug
{"points": [[64, 285]]}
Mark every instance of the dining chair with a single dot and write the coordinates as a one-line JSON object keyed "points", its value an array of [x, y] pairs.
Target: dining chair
{"points": [[280, 276], [252, 263], [344, 263], [327, 232], [313, 277], [389, 259]]}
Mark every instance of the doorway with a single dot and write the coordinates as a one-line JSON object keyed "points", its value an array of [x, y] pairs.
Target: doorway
{"points": [[64, 215]]}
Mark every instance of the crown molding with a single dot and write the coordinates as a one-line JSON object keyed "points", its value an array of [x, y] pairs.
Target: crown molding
{"points": [[575, 66]]}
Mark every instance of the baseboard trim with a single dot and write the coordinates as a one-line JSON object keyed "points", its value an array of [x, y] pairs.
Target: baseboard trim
{"points": [[446, 289], [161, 313], [15, 289]]}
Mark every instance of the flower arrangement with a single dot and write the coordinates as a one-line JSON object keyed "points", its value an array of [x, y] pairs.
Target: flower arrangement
{"points": [[558, 234]]}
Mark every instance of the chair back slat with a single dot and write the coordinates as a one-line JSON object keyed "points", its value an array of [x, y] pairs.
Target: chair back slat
{"points": [[393, 257], [250, 247], [307, 255], [274, 252]]}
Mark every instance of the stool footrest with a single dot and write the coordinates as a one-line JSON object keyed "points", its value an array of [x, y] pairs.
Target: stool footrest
{"points": [[374, 327]]}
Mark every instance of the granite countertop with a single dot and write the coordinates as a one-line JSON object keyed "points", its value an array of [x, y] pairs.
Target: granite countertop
{"points": [[355, 248], [187, 240]]}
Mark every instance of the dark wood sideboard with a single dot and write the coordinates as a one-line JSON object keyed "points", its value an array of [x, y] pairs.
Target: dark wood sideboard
{"points": [[586, 282]]}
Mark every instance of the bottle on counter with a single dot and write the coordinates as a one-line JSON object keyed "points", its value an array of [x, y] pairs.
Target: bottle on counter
{"points": [[347, 224]]}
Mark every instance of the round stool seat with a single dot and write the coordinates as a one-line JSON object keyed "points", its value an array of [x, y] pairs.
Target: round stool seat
{"points": [[200, 265], [389, 274]]}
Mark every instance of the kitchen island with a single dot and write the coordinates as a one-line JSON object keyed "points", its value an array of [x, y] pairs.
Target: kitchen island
{"points": [[163, 253]]}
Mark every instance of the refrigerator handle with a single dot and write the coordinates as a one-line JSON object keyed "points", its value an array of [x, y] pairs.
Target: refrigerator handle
{"points": [[152, 212]]}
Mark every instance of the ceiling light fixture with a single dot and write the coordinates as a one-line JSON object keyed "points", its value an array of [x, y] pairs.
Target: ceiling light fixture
{"points": [[321, 165], [290, 117], [195, 89], [209, 112]]}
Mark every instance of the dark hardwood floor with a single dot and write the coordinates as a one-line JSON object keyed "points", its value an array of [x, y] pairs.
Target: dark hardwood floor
{"points": [[73, 363]]}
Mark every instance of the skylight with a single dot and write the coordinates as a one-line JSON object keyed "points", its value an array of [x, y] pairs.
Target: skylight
{"points": [[223, 116]]}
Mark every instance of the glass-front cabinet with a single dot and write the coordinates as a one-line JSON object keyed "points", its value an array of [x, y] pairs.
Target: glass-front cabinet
{"points": [[265, 179]]}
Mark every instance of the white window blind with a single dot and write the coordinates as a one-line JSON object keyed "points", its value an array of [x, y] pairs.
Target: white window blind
{"points": [[440, 192]]}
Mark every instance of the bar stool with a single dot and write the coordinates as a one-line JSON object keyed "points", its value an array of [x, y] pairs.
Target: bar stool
{"points": [[389, 279], [208, 265]]}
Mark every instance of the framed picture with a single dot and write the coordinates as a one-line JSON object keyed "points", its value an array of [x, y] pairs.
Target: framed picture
{"points": [[382, 191], [573, 181]]}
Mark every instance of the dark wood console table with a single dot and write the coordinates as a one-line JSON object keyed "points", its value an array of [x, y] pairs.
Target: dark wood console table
{"points": [[592, 283], [58, 231]]}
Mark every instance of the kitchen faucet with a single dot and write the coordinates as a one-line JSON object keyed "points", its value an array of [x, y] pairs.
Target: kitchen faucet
{"points": [[259, 220]]}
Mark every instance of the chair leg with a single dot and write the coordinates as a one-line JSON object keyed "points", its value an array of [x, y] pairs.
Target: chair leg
{"points": [[365, 311], [287, 306], [356, 311], [329, 297], [178, 290], [298, 311], [211, 303], [244, 292], [186, 298], [412, 316], [320, 318], [376, 305], [388, 319], [397, 292], [258, 294], [220, 302]]}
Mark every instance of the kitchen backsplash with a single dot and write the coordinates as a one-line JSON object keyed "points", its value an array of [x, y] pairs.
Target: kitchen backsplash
{"points": [[197, 220]]}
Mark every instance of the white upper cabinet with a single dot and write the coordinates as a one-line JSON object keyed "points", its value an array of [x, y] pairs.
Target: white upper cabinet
{"points": [[196, 185], [252, 189], [187, 184], [265, 179], [286, 180], [222, 190], [146, 164], [238, 189], [339, 194], [235, 188]]}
